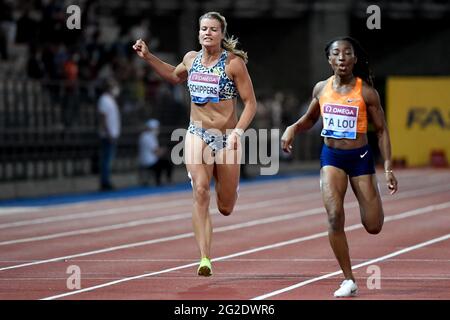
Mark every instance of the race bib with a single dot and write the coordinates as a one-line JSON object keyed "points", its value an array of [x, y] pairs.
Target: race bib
{"points": [[339, 121], [204, 87]]}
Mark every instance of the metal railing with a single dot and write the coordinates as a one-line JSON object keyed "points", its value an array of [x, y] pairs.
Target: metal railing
{"points": [[49, 130]]}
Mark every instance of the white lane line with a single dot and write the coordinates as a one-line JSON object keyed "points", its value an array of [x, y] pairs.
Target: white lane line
{"points": [[98, 213], [258, 260], [153, 207], [372, 261], [187, 215], [112, 211], [319, 260], [402, 215], [180, 216], [176, 237], [135, 208], [16, 210], [313, 260], [224, 276], [167, 203], [293, 215], [164, 203]]}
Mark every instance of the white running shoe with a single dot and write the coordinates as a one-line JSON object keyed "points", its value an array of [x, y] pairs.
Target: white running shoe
{"points": [[348, 288]]}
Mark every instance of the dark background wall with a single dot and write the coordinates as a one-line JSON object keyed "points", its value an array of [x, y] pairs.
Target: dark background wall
{"points": [[48, 122]]}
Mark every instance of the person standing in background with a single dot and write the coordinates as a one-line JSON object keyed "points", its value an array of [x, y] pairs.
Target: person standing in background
{"points": [[109, 130], [151, 156]]}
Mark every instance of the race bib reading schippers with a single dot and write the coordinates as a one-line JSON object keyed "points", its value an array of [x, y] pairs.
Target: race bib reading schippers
{"points": [[339, 121], [204, 87]]}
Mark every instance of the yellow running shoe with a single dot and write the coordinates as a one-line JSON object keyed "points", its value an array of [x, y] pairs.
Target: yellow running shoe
{"points": [[205, 268]]}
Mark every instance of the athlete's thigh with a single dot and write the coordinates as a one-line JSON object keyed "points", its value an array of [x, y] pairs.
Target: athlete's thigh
{"points": [[228, 168], [196, 151], [333, 185], [199, 160], [366, 191]]}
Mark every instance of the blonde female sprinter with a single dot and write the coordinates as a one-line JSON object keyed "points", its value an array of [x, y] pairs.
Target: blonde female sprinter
{"points": [[215, 76]]}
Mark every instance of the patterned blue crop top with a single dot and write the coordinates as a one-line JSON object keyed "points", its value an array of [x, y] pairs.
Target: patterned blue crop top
{"points": [[210, 84]]}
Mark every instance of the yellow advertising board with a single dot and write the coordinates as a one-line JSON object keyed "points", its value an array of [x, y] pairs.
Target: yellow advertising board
{"points": [[418, 116]]}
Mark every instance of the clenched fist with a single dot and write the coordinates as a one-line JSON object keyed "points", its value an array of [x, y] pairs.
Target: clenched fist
{"points": [[141, 48]]}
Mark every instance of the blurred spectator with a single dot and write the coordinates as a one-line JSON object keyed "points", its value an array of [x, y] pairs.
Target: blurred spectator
{"points": [[70, 68], [35, 66], [53, 21], [70, 99], [153, 159], [291, 109], [8, 28], [109, 130], [27, 29], [276, 107], [3, 44], [263, 114]]}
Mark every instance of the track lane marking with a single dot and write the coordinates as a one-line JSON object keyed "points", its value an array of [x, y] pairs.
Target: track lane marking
{"points": [[402, 215]]}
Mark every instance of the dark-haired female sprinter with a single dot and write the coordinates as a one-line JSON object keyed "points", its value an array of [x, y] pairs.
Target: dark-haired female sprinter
{"points": [[346, 101]]}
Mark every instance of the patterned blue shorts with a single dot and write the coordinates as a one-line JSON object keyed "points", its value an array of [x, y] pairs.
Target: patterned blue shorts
{"points": [[214, 141]]}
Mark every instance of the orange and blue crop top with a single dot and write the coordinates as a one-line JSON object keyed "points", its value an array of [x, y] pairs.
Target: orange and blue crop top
{"points": [[344, 115]]}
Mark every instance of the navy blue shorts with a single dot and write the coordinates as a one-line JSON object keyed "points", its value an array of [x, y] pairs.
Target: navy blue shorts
{"points": [[355, 162]]}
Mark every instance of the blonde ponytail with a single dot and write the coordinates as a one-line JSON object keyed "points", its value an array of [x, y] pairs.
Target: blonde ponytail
{"points": [[228, 43]]}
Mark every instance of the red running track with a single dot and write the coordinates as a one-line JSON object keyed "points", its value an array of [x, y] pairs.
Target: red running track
{"points": [[274, 246]]}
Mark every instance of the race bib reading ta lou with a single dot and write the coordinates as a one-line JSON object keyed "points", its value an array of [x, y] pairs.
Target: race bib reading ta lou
{"points": [[339, 121]]}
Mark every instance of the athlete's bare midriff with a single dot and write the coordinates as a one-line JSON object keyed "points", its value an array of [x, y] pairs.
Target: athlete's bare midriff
{"points": [[220, 116], [347, 144]]}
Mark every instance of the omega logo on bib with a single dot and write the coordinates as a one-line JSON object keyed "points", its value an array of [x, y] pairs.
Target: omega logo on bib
{"points": [[339, 121], [204, 87]]}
